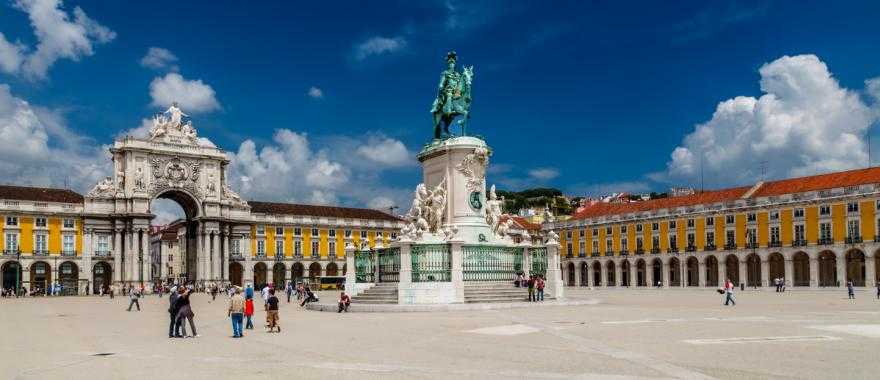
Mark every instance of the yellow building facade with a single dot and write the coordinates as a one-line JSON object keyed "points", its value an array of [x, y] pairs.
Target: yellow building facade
{"points": [[819, 231]]}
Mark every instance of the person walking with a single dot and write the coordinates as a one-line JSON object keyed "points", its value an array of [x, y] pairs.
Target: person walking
{"points": [[851, 292], [728, 293], [272, 311], [173, 326], [539, 284], [185, 311], [249, 312], [344, 302], [289, 290], [531, 285], [249, 292], [213, 292], [133, 297], [236, 313]]}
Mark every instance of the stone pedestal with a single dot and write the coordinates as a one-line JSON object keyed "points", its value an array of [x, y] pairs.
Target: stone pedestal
{"points": [[459, 165], [554, 284]]}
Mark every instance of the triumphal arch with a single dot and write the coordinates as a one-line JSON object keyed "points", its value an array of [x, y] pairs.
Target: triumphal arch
{"points": [[172, 163]]}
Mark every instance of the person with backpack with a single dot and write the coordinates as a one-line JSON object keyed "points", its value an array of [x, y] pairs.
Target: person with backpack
{"points": [[133, 296]]}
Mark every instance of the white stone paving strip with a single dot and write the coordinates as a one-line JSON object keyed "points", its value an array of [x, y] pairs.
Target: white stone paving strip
{"points": [[505, 330], [596, 347], [870, 331], [763, 339]]}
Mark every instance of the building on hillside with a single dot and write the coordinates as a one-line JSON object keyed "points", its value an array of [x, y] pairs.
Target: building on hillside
{"points": [[523, 229], [817, 231]]}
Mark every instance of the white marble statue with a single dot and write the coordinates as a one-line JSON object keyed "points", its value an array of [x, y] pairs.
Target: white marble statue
{"points": [[552, 237], [473, 167], [104, 189], [139, 183], [548, 215], [494, 210], [427, 213]]}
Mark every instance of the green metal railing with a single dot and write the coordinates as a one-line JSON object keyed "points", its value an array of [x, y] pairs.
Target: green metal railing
{"points": [[539, 260], [490, 263], [389, 264], [431, 263], [364, 270]]}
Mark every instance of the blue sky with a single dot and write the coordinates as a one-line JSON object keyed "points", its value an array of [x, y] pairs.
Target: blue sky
{"points": [[322, 103]]}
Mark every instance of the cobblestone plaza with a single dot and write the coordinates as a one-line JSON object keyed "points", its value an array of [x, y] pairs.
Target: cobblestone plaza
{"points": [[668, 333]]}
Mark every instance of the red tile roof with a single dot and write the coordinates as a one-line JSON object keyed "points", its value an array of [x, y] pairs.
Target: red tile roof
{"points": [[705, 197], [320, 211], [522, 222], [819, 182], [39, 194]]}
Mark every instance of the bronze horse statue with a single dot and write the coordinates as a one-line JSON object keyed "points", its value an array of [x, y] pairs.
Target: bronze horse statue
{"points": [[453, 99]]}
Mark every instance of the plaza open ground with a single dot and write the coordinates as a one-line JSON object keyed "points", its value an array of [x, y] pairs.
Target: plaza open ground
{"points": [[627, 334]]}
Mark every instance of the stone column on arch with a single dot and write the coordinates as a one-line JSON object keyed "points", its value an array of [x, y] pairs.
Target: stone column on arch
{"points": [[245, 247], [131, 248], [146, 263], [603, 274], [227, 251], [118, 275], [216, 256], [841, 269], [722, 272], [741, 271], [649, 274], [577, 274]]}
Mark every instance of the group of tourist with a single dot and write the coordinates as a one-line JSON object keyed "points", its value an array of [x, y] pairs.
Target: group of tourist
{"points": [[780, 284], [535, 284]]}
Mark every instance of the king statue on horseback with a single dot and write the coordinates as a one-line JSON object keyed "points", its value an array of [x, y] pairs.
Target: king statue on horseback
{"points": [[453, 98]]}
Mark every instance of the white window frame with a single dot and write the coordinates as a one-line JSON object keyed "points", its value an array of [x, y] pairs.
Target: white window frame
{"points": [[710, 238], [331, 248], [38, 224], [261, 247], [279, 247], [64, 243], [45, 242], [65, 225], [316, 248], [297, 248], [11, 221]]}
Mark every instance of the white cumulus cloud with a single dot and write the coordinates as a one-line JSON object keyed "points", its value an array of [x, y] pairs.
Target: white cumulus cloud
{"points": [[58, 36], [159, 58], [37, 148], [386, 151], [805, 123], [315, 92], [378, 46], [191, 95]]}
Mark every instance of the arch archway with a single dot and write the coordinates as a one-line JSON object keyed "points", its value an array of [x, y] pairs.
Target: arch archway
{"points": [[279, 276], [314, 272], [753, 270], [297, 272], [191, 209], [801, 267], [68, 276], [641, 273], [102, 275], [828, 269], [597, 274], [855, 267], [657, 272], [260, 275], [332, 270], [776, 266], [674, 272], [625, 273], [731, 266], [11, 274], [41, 276], [712, 271], [585, 272], [693, 271], [236, 274], [570, 274], [611, 278]]}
